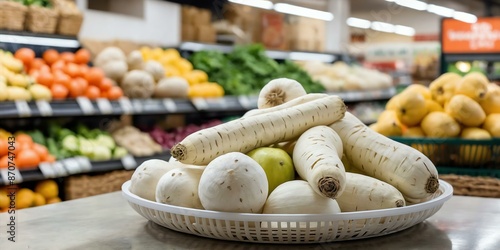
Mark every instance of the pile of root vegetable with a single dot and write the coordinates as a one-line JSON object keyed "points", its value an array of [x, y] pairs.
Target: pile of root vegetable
{"points": [[338, 164]]}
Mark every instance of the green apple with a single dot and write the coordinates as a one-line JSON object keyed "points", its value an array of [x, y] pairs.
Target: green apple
{"points": [[277, 164]]}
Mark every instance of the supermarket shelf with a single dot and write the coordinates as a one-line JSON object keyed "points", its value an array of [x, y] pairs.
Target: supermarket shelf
{"points": [[84, 107], [366, 95], [275, 54], [74, 166], [13, 40]]}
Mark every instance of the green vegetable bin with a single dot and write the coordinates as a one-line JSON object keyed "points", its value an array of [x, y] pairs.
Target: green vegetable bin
{"points": [[460, 156]]}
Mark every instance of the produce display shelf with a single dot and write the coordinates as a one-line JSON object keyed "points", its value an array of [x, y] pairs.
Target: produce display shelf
{"points": [[189, 47], [13, 40], [85, 107], [366, 95], [74, 166]]}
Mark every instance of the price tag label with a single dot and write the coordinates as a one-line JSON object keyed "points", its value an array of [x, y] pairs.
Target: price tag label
{"points": [[245, 102], [44, 107], [23, 109], [104, 106], [153, 105], [72, 166], [85, 105], [217, 103], [59, 169], [170, 105], [47, 170], [137, 104], [200, 103], [126, 105], [10, 177], [129, 162], [84, 163]]}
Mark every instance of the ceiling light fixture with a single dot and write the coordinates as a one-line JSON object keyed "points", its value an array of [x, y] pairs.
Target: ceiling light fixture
{"points": [[412, 4], [440, 10], [358, 23], [464, 17], [263, 4], [384, 27], [404, 30], [301, 11]]}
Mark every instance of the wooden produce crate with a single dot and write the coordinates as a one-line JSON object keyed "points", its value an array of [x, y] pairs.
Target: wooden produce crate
{"points": [[12, 15], [473, 185], [93, 184]]}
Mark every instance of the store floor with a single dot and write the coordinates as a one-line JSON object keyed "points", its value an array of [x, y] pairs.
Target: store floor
{"points": [[108, 222]]}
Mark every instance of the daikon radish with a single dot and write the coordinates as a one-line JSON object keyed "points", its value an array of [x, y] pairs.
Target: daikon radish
{"points": [[402, 166], [367, 193], [291, 103], [245, 134], [279, 91], [316, 157]]}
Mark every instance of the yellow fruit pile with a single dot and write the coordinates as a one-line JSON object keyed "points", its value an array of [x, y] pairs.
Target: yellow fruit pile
{"points": [[175, 65], [452, 106], [15, 84], [45, 192]]}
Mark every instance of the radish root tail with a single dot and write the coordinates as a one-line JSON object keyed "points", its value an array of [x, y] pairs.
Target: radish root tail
{"points": [[432, 185], [329, 186], [400, 203], [178, 152]]}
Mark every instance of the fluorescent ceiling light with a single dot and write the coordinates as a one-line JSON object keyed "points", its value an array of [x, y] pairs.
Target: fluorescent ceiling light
{"points": [[384, 27], [263, 4], [358, 23], [404, 30], [464, 17], [42, 41], [301, 11], [305, 56], [412, 4], [440, 10]]}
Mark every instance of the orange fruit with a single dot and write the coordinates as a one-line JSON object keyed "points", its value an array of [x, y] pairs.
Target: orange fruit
{"points": [[94, 76], [68, 57], [106, 84], [57, 66], [41, 150], [76, 88], [45, 78], [27, 158], [53, 200], [24, 139], [25, 198], [4, 162], [47, 188], [82, 82], [4, 147], [72, 70], [62, 78], [44, 68], [34, 73], [49, 158], [37, 63], [93, 92], [82, 56], [114, 93], [84, 69], [26, 55], [39, 200], [50, 56], [59, 91]]}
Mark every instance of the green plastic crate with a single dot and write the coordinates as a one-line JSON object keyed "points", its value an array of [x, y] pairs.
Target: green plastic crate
{"points": [[460, 156]]}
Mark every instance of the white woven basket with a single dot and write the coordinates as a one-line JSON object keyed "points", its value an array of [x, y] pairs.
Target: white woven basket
{"points": [[286, 228]]}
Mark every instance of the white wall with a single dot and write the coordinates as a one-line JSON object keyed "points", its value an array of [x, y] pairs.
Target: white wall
{"points": [[160, 23]]}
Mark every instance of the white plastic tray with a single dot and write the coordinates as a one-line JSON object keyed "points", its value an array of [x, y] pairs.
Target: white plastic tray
{"points": [[286, 228]]}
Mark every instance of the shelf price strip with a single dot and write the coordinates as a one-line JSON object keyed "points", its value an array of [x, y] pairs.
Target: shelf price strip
{"points": [[126, 105], [170, 105], [11, 176], [44, 108], [104, 106], [59, 169], [137, 105], [23, 109], [129, 162], [248, 102], [84, 163], [71, 165], [85, 105], [47, 170]]}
